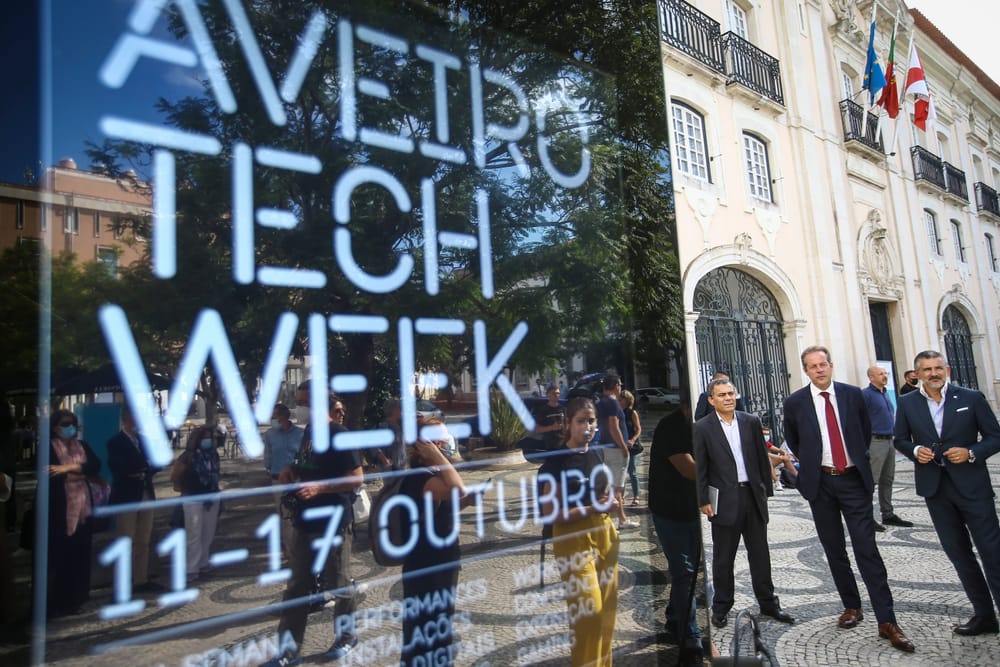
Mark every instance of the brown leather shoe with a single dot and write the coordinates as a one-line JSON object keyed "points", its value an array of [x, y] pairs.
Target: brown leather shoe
{"points": [[895, 635], [850, 618]]}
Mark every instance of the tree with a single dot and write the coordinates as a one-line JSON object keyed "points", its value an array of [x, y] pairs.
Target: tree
{"points": [[574, 263]]}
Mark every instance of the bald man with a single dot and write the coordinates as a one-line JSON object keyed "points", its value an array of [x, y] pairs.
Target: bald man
{"points": [[881, 451]]}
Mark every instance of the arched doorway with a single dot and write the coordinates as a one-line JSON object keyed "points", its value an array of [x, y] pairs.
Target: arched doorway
{"points": [[958, 348], [739, 331]]}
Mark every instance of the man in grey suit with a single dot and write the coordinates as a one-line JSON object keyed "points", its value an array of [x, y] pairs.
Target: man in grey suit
{"points": [[949, 432], [730, 455]]}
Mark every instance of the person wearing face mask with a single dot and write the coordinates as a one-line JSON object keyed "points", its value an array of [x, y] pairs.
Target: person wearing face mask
{"points": [[282, 443], [585, 541], [71, 460], [196, 472]]}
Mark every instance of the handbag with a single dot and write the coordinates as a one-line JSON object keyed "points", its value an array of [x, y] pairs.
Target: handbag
{"points": [[636, 449], [362, 505], [100, 494]]}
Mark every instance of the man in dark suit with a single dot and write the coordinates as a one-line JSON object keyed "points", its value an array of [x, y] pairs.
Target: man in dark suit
{"points": [[949, 432], [827, 428], [132, 482], [730, 456]]}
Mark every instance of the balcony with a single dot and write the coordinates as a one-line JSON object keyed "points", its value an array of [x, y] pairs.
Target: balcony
{"points": [[698, 36], [986, 199], [954, 179], [860, 125], [928, 167], [692, 32], [749, 66]]}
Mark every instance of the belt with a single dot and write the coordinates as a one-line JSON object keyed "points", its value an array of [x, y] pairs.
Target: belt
{"points": [[837, 473], [884, 437], [744, 484]]}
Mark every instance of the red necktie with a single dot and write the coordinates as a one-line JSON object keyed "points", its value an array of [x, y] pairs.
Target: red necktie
{"points": [[836, 440]]}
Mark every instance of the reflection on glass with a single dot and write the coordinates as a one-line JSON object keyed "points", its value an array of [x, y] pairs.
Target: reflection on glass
{"points": [[418, 212]]}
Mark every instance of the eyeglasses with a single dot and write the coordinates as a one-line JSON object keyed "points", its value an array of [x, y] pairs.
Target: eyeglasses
{"points": [[65, 424], [938, 449]]}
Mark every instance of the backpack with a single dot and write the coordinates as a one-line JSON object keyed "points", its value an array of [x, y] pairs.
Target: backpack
{"points": [[398, 522]]}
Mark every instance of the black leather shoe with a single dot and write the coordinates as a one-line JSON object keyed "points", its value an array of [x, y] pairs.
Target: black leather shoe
{"points": [[778, 614], [720, 620], [977, 625], [879, 528], [893, 520]]}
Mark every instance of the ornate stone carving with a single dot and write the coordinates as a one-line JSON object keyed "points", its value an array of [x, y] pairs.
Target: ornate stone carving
{"points": [[743, 243], [703, 205], [877, 264], [769, 223]]}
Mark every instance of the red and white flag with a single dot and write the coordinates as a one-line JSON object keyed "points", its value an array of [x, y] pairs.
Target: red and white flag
{"points": [[916, 85]]}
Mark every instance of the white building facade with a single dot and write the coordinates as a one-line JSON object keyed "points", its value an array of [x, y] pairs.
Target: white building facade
{"points": [[799, 223]]}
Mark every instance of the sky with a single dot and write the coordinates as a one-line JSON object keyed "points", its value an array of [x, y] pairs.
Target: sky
{"points": [[970, 24]]}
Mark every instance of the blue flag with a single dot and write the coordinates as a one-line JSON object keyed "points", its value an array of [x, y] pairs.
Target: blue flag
{"points": [[874, 77]]}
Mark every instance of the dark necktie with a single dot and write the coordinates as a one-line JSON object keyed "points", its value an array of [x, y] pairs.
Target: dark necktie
{"points": [[836, 440]]}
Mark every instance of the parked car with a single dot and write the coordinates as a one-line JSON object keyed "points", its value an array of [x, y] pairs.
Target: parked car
{"points": [[426, 409], [590, 385], [657, 396]]}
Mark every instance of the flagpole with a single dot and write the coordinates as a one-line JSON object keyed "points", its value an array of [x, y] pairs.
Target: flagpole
{"points": [[895, 129]]}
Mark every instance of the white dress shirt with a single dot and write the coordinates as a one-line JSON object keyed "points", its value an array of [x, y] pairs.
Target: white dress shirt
{"points": [[819, 403], [732, 433]]}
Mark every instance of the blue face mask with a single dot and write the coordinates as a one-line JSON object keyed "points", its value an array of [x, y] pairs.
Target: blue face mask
{"points": [[68, 431], [207, 443]]}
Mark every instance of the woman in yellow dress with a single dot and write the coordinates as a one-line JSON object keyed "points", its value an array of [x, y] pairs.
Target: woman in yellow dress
{"points": [[576, 499]]}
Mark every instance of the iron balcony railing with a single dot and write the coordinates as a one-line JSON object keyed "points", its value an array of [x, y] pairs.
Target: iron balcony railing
{"points": [[698, 35], [986, 199], [860, 125], [692, 32], [928, 167], [954, 180], [749, 66]]}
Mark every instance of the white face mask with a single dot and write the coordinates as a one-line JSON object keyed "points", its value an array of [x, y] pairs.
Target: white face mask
{"points": [[275, 423], [302, 414]]}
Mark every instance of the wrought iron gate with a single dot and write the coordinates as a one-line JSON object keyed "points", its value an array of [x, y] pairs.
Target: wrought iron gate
{"points": [[958, 348], [739, 332]]}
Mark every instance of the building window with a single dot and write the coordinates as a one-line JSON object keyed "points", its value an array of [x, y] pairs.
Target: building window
{"points": [[932, 232], [19, 214], [689, 142], [97, 224], [71, 220], [109, 258], [758, 169], [35, 244], [991, 253], [847, 83], [737, 18], [956, 234]]}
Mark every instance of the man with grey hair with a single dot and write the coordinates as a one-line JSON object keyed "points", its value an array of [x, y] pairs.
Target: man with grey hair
{"points": [[949, 432], [827, 427], [882, 455]]}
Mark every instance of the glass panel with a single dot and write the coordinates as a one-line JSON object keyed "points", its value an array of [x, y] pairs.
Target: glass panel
{"points": [[415, 209]]}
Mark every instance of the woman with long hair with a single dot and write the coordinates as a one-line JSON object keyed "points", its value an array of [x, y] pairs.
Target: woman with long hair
{"points": [[432, 566], [71, 461], [196, 472], [633, 428], [585, 541]]}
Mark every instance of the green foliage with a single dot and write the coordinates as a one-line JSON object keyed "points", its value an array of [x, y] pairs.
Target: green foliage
{"points": [[507, 427]]}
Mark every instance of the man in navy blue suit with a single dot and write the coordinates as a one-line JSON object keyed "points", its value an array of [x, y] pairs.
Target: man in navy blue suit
{"points": [[828, 429], [949, 432]]}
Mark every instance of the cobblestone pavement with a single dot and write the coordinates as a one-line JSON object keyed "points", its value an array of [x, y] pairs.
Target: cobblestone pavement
{"points": [[504, 616]]}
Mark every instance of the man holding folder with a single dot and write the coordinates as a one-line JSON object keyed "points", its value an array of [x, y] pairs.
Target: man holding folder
{"points": [[732, 463]]}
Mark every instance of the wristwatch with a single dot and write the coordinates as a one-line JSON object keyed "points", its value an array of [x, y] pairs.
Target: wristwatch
{"points": [[972, 456]]}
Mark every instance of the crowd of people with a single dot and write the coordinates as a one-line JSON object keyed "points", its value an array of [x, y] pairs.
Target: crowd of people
{"points": [[839, 445]]}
